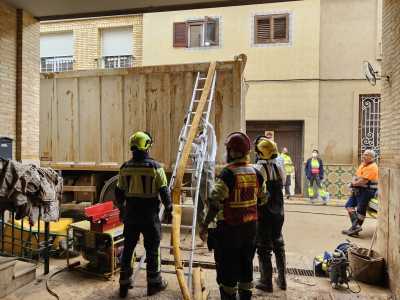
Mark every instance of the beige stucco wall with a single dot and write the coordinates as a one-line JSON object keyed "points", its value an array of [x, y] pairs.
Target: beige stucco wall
{"points": [[282, 101], [87, 35], [339, 119], [349, 35], [298, 59]]}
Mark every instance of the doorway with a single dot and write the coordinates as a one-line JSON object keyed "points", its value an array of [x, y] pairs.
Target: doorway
{"points": [[286, 134]]}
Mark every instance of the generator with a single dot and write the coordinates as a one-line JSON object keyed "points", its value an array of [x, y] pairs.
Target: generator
{"points": [[102, 251]]}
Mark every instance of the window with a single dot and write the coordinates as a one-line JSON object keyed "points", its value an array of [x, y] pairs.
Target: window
{"points": [[196, 33], [117, 47], [369, 123], [56, 52], [269, 29]]}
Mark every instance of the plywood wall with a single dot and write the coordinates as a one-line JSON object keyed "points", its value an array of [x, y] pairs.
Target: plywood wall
{"points": [[88, 116]]}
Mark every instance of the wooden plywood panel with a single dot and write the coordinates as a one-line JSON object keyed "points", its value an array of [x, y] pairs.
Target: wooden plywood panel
{"points": [[181, 87], [111, 119], [89, 119], [394, 227], [383, 214], [67, 120], [134, 108], [158, 118], [225, 120], [46, 102]]}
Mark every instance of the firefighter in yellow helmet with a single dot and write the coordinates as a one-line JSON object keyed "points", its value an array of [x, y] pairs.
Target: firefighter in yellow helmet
{"points": [[141, 183], [269, 229], [234, 201]]}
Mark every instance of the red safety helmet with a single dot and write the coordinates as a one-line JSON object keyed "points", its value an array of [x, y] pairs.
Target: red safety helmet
{"points": [[238, 142]]}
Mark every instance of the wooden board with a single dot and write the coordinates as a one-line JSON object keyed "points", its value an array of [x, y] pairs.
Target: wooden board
{"points": [[87, 117]]}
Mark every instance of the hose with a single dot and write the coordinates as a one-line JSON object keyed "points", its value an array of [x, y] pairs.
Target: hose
{"points": [[52, 292]]}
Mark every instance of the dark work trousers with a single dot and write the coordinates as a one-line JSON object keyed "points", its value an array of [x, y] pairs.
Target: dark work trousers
{"points": [[152, 236], [287, 184], [234, 254], [269, 232], [360, 199]]}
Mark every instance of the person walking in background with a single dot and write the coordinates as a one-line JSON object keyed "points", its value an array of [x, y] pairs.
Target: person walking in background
{"points": [[315, 174], [289, 170]]}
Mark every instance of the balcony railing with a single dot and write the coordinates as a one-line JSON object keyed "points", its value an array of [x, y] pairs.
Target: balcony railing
{"points": [[56, 64], [121, 61]]}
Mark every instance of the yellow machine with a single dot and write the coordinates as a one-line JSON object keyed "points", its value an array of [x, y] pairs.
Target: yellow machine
{"points": [[101, 250], [25, 240]]}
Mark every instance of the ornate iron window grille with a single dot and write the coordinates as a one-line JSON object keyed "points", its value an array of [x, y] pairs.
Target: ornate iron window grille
{"points": [[369, 129]]}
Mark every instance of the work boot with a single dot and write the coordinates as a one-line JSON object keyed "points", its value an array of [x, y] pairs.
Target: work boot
{"points": [[280, 259], [353, 230], [225, 295], [153, 289], [265, 266], [355, 225], [245, 294], [125, 282]]}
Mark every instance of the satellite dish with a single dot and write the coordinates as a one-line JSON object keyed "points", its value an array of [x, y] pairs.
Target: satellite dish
{"points": [[369, 73]]}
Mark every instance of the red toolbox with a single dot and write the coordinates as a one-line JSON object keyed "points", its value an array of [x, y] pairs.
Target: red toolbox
{"points": [[103, 216]]}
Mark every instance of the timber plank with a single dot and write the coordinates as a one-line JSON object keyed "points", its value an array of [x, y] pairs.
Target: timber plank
{"points": [[134, 108], [89, 119], [46, 96], [111, 120]]}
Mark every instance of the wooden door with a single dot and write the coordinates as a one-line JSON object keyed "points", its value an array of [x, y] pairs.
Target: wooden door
{"points": [[286, 134]]}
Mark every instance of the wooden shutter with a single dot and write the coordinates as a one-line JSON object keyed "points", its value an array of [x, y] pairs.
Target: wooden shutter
{"points": [[262, 29], [180, 34], [280, 27]]}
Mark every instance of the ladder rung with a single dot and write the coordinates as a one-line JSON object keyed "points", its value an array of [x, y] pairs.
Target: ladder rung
{"points": [[190, 170], [182, 226], [193, 113], [198, 89], [188, 188], [202, 78], [186, 205], [170, 247]]}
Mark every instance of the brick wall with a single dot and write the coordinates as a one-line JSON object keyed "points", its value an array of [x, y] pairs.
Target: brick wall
{"points": [[87, 32], [389, 214], [30, 88], [19, 81], [8, 46]]}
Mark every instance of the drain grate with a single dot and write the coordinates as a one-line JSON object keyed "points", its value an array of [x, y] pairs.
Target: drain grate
{"points": [[292, 271]]}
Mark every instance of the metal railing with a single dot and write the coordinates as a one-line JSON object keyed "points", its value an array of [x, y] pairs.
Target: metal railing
{"points": [[121, 61], [56, 64], [20, 239]]}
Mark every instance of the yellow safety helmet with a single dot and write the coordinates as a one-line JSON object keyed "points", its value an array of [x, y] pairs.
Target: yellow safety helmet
{"points": [[140, 140], [265, 148]]}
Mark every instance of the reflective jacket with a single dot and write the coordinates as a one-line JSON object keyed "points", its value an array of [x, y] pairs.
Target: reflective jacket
{"points": [[140, 184], [288, 164], [236, 195]]}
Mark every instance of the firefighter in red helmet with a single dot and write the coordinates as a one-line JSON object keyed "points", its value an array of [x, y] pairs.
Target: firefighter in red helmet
{"points": [[238, 192]]}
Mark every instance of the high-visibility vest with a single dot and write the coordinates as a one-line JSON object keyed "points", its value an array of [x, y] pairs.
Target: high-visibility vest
{"points": [[241, 205], [288, 164], [314, 166]]}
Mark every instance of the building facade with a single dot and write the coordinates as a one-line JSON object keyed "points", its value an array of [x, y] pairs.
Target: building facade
{"points": [[80, 44], [19, 82], [304, 70], [388, 219]]}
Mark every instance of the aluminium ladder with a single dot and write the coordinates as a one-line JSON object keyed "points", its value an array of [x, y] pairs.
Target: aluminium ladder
{"points": [[200, 108]]}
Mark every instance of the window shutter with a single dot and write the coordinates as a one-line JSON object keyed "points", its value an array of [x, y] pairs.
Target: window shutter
{"points": [[180, 34], [280, 28], [262, 30]]}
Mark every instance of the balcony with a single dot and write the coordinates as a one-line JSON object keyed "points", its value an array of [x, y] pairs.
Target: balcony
{"points": [[121, 61], [56, 64]]}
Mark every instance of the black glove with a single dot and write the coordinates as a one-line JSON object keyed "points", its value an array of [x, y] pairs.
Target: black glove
{"points": [[211, 238], [167, 218]]}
